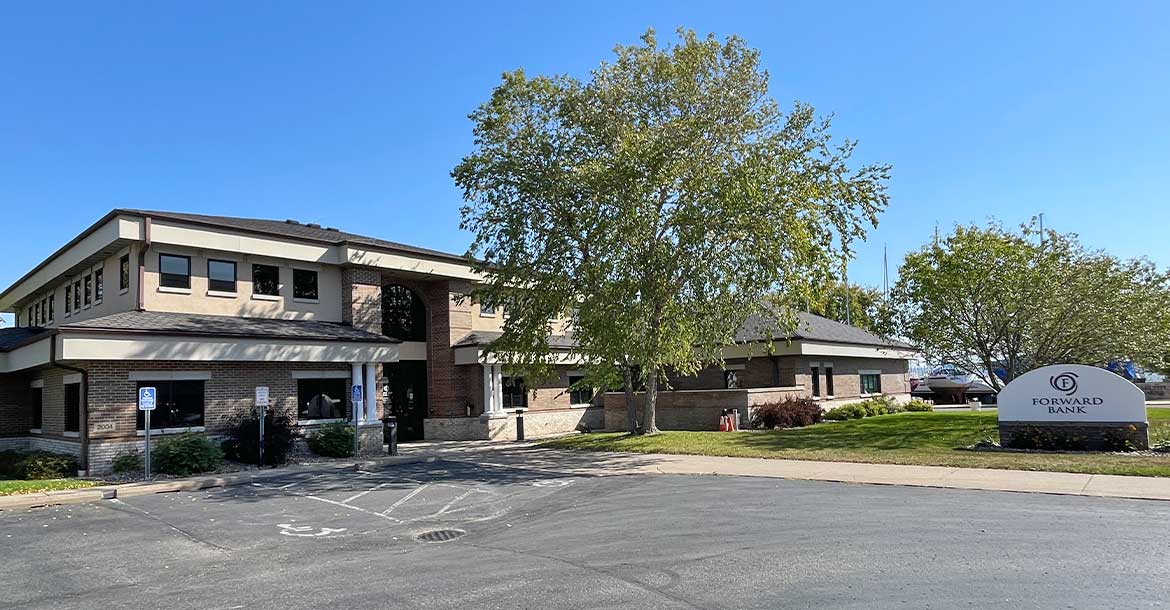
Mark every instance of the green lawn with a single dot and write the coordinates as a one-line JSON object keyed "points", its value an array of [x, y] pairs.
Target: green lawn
{"points": [[931, 439], [9, 487]]}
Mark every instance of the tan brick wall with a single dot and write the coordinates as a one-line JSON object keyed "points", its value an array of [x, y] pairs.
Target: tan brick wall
{"points": [[796, 371], [15, 412], [361, 299]]}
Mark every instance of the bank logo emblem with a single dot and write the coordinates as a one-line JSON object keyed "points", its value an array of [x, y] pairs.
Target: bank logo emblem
{"points": [[1064, 382]]}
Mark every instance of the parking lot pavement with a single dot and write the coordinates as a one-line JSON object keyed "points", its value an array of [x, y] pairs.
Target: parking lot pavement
{"points": [[525, 538]]}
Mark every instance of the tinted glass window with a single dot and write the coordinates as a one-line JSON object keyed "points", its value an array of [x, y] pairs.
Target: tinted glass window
{"points": [[77, 294], [514, 395], [35, 399], [304, 284], [179, 404], [72, 407], [52, 306], [816, 381], [403, 314], [871, 384], [579, 396], [266, 280], [87, 296], [99, 285], [174, 271], [124, 272], [321, 398], [221, 276], [829, 380], [68, 297]]}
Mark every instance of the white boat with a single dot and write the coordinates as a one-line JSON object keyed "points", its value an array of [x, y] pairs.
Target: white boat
{"points": [[946, 377]]}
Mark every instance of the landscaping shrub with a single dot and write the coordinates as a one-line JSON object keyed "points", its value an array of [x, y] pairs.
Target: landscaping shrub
{"points": [[332, 440], [8, 462], [46, 465], [791, 413], [918, 406], [186, 454], [127, 462], [853, 410], [243, 442], [878, 405]]}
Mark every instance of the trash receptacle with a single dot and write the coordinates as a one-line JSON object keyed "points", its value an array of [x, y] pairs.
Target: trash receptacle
{"points": [[390, 434]]}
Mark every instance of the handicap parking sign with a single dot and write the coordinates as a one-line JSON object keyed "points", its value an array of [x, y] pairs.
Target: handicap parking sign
{"points": [[357, 395], [146, 398]]}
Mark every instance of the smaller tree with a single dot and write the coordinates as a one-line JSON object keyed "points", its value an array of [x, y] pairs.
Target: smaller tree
{"points": [[861, 306], [990, 300]]}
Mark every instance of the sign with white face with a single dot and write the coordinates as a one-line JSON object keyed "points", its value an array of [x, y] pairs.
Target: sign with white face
{"points": [[1071, 393], [147, 397], [261, 396]]}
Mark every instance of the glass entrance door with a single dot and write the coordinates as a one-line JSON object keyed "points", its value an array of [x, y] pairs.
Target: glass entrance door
{"points": [[405, 395]]}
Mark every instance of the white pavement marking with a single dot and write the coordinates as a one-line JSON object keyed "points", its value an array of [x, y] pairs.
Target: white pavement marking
{"points": [[336, 503], [306, 531], [405, 498], [362, 493], [457, 498]]}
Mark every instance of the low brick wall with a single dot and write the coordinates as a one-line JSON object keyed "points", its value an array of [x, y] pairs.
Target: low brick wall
{"points": [[696, 409], [1088, 437], [1155, 390], [537, 424]]}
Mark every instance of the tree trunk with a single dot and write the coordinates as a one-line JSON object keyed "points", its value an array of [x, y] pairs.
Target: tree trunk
{"points": [[631, 407], [649, 425]]}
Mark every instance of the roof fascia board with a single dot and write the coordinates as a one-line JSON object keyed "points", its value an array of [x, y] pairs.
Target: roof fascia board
{"points": [[168, 232], [373, 257], [112, 227], [26, 356], [210, 349]]}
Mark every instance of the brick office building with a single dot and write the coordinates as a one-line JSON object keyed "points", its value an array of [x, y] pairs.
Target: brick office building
{"points": [[207, 308]]}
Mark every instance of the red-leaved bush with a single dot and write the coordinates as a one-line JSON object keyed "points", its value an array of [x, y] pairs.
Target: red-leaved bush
{"points": [[790, 413]]}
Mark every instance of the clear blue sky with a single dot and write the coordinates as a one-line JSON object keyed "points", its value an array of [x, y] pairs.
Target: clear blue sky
{"points": [[353, 114]]}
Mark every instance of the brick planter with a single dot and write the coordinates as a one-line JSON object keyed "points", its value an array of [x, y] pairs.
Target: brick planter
{"points": [[1085, 436]]}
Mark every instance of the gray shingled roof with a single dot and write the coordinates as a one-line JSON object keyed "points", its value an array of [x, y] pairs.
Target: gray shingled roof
{"points": [[810, 326], [813, 328], [483, 337], [11, 338], [294, 230], [158, 322]]}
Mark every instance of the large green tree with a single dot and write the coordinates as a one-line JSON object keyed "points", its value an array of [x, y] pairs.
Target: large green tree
{"points": [[862, 306], [988, 298], [661, 201]]}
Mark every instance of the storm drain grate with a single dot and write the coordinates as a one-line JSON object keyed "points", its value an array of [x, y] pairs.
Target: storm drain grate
{"points": [[439, 535]]}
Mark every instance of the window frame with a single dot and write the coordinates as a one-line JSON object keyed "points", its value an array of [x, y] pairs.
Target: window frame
{"points": [[124, 273], [487, 309], [99, 285], [77, 295], [162, 275], [166, 396], [508, 393], [877, 387], [72, 411], [297, 296], [816, 380], [829, 380], [52, 307], [68, 299], [341, 406], [575, 394], [87, 294], [256, 293], [731, 380], [235, 277]]}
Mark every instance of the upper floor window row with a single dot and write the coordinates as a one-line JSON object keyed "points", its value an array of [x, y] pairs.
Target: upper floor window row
{"points": [[175, 272]]}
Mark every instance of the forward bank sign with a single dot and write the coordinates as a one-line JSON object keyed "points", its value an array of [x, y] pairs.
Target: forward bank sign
{"points": [[1086, 401]]}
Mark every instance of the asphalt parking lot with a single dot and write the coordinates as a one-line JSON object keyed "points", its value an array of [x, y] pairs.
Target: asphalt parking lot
{"points": [[509, 537]]}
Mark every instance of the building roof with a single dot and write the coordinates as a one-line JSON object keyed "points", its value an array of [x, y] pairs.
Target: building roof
{"points": [[811, 327], [12, 338], [169, 323], [295, 230], [483, 337]]}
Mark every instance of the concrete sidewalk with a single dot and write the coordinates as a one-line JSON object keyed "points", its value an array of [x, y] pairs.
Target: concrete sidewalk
{"points": [[590, 463]]}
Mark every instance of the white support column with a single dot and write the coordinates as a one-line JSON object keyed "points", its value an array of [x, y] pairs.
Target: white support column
{"points": [[489, 391], [498, 387], [356, 379], [371, 389]]}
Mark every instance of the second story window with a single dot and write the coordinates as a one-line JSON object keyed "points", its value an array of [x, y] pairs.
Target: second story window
{"points": [[36, 315], [174, 271], [305, 284], [68, 298], [221, 276], [124, 272], [87, 296], [266, 280], [487, 308], [52, 306], [99, 285], [77, 295]]}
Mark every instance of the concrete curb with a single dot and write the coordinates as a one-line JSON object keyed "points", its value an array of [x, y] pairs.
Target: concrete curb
{"points": [[144, 488]]}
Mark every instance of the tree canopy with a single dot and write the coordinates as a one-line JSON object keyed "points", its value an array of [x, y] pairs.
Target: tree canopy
{"points": [[663, 200], [861, 306], [988, 299]]}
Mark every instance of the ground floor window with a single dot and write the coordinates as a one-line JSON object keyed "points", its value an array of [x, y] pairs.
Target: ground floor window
{"points": [[816, 382], [514, 395], [321, 398], [73, 407], [36, 405], [828, 380], [871, 383], [179, 404], [579, 395], [731, 380]]}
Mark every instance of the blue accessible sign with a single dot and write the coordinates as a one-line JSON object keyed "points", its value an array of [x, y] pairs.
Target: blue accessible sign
{"points": [[146, 398], [356, 398]]}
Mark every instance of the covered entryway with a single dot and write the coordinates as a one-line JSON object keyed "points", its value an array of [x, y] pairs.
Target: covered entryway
{"points": [[405, 396]]}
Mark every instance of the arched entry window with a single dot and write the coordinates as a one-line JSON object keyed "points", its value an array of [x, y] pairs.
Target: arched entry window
{"points": [[403, 314]]}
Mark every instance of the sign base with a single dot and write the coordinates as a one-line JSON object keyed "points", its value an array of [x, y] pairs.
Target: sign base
{"points": [[1082, 436]]}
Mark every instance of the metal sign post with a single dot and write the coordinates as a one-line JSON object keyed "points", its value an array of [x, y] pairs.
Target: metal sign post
{"points": [[261, 403], [356, 398], [147, 398]]}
